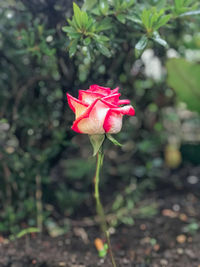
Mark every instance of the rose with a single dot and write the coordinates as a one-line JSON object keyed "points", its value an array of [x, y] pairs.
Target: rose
{"points": [[98, 110], [99, 113]]}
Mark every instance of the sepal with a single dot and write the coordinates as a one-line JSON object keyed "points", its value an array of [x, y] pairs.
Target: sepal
{"points": [[113, 140], [96, 141]]}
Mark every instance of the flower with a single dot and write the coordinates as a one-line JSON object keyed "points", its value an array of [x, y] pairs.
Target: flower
{"points": [[98, 110]]}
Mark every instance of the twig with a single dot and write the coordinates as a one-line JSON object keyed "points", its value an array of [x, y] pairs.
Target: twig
{"points": [[7, 183], [39, 206], [21, 91]]}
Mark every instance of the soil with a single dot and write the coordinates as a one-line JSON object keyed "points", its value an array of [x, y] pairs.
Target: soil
{"points": [[170, 238]]}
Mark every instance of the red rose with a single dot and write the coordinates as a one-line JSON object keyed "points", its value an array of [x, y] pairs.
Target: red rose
{"points": [[98, 110]]}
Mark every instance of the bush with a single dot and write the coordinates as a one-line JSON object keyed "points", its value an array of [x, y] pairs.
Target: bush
{"points": [[39, 64]]}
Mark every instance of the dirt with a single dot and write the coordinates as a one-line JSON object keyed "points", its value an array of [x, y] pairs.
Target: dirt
{"points": [[170, 238]]}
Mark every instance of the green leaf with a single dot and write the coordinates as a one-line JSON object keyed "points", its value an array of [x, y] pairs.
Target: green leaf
{"points": [[161, 22], [121, 18], [116, 4], [74, 35], [134, 18], [77, 15], [101, 38], [27, 231], [190, 13], [140, 46], [102, 253], [178, 4], [127, 220], [184, 78], [103, 25], [89, 4], [73, 48], [68, 29], [103, 49], [184, 6], [72, 23], [84, 18], [96, 141], [156, 37], [90, 25], [128, 3], [103, 5], [145, 17], [153, 17], [87, 41], [113, 140]]}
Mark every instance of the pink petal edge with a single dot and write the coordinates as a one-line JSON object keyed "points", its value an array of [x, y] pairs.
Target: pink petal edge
{"points": [[83, 116], [70, 99]]}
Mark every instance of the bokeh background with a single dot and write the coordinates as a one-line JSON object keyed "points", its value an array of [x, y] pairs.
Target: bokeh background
{"points": [[46, 170]]}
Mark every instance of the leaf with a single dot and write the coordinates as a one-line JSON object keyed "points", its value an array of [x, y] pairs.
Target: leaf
{"points": [[88, 4], [103, 5], [145, 17], [71, 23], [68, 29], [134, 18], [129, 3], [74, 35], [156, 37], [73, 47], [103, 25], [190, 13], [101, 38], [90, 24], [127, 220], [84, 18], [103, 49], [160, 4], [178, 4], [113, 140], [183, 6], [103, 252], [96, 141], [116, 4], [153, 18], [140, 46], [161, 22], [77, 15], [87, 41], [28, 231], [121, 18], [184, 78]]}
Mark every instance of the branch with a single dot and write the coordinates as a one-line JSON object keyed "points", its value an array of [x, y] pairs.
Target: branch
{"points": [[22, 90]]}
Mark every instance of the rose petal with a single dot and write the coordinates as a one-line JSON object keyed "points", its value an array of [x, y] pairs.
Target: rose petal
{"points": [[76, 105], [113, 119], [123, 102], [91, 122], [114, 98], [110, 105], [126, 110], [88, 96], [112, 122], [100, 89], [114, 91]]}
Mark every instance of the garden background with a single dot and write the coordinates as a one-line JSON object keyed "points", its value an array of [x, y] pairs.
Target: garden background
{"points": [[151, 50]]}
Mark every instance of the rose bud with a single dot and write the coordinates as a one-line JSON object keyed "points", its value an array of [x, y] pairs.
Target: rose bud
{"points": [[98, 110]]}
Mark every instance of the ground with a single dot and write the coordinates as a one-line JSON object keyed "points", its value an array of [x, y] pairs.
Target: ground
{"points": [[170, 238]]}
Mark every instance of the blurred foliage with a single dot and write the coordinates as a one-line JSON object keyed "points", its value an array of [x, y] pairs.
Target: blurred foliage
{"points": [[44, 166], [184, 77]]}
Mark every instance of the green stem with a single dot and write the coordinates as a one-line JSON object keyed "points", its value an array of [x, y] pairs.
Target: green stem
{"points": [[99, 207]]}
